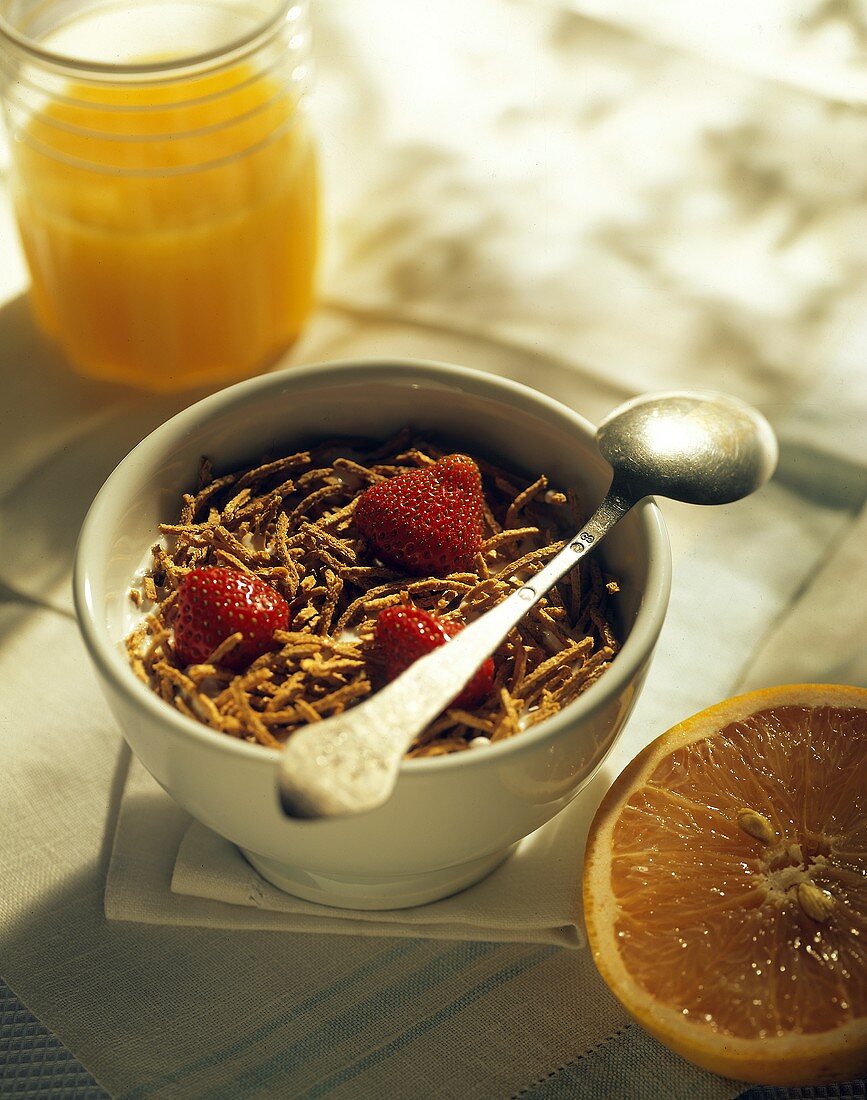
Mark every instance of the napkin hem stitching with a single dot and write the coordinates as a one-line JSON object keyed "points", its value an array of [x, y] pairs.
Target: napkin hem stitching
{"points": [[572, 1062]]}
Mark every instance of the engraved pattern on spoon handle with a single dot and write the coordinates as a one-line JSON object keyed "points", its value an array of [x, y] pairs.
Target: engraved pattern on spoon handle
{"points": [[613, 508]]}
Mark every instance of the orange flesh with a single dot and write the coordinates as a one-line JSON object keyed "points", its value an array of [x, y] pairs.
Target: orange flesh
{"points": [[708, 922], [179, 246]]}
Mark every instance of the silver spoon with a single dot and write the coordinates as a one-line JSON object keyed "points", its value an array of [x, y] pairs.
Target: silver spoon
{"points": [[701, 448]]}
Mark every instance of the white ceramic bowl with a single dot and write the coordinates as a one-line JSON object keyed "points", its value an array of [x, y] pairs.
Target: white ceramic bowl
{"points": [[451, 820]]}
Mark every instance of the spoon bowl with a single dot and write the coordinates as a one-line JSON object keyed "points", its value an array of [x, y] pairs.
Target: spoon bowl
{"points": [[699, 448]]}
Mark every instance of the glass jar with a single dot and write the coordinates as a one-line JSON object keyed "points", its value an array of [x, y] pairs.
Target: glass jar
{"points": [[164, 181]]}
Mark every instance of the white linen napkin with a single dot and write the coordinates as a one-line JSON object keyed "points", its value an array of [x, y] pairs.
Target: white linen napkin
{"points": [[531, 898]]}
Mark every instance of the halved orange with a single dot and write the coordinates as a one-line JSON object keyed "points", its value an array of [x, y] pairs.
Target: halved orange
{"points": [[725, 886]]}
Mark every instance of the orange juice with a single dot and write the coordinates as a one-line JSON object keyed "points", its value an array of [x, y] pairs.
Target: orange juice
{"points": [[170, 227]]}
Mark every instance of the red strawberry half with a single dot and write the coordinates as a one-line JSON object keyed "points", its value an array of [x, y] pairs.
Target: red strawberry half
{"points": [[403, 634], [426, 522], [214, 603]]}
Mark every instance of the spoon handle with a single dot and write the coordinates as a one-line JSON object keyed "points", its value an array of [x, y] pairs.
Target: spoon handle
{"points": [[349, 763], [613, 508]]}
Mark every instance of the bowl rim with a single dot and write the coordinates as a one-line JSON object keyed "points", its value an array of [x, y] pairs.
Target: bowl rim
{"points": [[115, 668]]}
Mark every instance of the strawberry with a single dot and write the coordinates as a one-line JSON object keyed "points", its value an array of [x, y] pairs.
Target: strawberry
{"points": [[428, 521], [214, 603], [403, 634]]}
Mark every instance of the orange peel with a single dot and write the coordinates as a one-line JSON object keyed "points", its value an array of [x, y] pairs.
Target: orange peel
{"points": [[725, 886]]}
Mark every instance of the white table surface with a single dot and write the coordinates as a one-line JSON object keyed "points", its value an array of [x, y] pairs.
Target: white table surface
{"points": [[595, 199]]}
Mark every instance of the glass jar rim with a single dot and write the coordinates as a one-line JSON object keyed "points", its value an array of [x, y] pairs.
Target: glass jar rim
{"points": [[234, 49]]}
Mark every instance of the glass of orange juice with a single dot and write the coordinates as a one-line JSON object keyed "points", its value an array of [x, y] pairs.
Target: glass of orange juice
{"points": [[164, 180]]}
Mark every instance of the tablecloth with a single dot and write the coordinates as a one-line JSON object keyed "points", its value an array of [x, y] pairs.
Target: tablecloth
{"points": [[589, 198]]}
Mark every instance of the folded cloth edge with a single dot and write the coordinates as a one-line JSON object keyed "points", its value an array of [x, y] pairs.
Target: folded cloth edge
{"points": [[167, 868]]}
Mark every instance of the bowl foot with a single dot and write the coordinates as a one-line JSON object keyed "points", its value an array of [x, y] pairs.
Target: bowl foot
{"points": [[380, 892]]}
